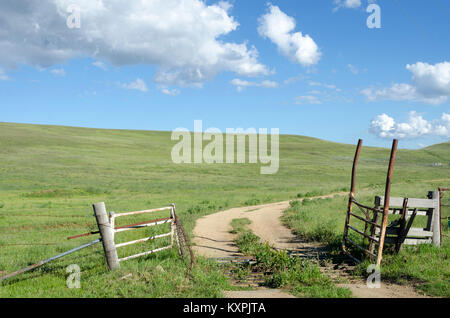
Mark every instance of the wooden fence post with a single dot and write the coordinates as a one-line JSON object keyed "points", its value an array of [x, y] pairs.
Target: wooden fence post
{"points": [[436, 219], [107, 235]]}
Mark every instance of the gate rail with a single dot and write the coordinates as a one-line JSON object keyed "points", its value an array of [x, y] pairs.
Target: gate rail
{"points": [[171, 220]]}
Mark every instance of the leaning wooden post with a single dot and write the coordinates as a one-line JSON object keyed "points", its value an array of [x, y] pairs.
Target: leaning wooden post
{"points": [[107, 235], [387, 198]]}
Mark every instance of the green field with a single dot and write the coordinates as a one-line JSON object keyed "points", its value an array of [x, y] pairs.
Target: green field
{"points": [[50, 176]]}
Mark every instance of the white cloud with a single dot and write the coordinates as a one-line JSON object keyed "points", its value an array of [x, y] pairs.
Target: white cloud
{"points": [[100, 65], [319, 84], [167, 91], [431, 80], [241, 84], [138, 84], [3, 75], [184, 39], [294, 79], [58, 72], [279, 27], [385, 126], [353, 69], [307, 99], [429, 84], [349, 4]]}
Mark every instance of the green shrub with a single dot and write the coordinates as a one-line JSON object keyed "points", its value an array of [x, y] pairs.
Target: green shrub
{"points": [[251, 202], [247, 242]]}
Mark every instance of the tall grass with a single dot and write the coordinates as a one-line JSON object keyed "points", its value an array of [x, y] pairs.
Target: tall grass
{"points": [[50, 177], [425, 267], [301, 277]]}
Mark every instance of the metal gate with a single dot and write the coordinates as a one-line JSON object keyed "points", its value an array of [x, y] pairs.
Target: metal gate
{"points": [[171, 220], [370, 216]]}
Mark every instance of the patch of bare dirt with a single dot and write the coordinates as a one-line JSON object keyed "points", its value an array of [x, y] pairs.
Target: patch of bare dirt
{"points": [[259, 293], [213, 239]]}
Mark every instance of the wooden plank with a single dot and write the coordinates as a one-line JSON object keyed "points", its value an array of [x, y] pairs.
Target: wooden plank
{"points": [[418, 232], [412, 203], [413, 232], [409, 241], [409, 213]]}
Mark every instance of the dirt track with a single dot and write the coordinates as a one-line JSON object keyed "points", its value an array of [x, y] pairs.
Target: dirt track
{"points": [[213, 239]]}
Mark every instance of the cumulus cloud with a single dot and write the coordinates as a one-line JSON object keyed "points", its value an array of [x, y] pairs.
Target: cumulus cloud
{"points": [[138, 85], [349, 4], [294, 79], [429, 84], [58, 72], [279, 28], [353, 69], [307, 99], [184, 39], [325, 85], [241, 84], [431, 80], [100, 65], [167, 91], [3, 75], [416, 126]]}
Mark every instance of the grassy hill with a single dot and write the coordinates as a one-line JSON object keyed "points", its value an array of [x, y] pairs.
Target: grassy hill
{"points": [[51, 175]]}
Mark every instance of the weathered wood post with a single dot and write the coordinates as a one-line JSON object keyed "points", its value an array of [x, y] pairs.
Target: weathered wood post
{"points": [[436, 218], [107, 235]]}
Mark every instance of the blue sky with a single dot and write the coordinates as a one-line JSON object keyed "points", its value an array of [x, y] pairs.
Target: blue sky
{"points": [[232, 64]]}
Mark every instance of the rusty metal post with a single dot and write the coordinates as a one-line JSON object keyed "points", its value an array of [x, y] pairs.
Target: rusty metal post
{"points": [[387, 198], [352, 192], [107, 235]]}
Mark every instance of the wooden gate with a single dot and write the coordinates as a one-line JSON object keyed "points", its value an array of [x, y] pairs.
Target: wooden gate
{"points": [[400, 231]]}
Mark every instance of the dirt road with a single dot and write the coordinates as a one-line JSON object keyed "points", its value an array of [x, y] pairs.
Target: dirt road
{"points": [[213, 239]]}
